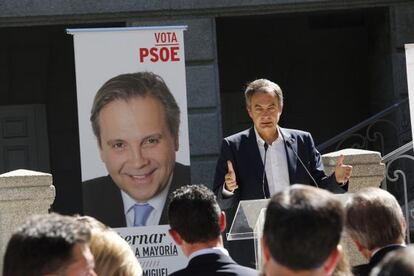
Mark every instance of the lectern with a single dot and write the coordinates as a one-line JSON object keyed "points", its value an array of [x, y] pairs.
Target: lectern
{"points": [[249, 220], [248, 224]]}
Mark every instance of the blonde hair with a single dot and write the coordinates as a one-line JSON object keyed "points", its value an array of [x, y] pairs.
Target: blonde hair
{"points": [[113, 256]]}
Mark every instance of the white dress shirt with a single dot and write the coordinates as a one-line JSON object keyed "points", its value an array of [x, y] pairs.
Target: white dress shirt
{"points": [[157, 202], [277, 172]]}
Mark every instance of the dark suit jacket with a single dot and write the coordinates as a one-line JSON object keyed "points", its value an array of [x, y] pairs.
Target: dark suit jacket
{"points": [[102, 198], [242, 150], [365, 269], [214, 264]]}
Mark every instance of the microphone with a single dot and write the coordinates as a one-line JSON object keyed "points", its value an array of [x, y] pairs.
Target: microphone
{"points": [[265, 191], [289, 143]]}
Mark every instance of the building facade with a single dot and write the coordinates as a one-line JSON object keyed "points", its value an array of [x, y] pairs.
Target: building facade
{"points": [[338, 62]]}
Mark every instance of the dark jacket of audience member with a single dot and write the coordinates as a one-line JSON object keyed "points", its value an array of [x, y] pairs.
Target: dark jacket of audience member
{"points": [[397, 263], [375, 222], [196, 225]]}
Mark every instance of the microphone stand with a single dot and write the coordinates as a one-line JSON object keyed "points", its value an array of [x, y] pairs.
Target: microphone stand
{"points": [[289, 143], [266, 146]]}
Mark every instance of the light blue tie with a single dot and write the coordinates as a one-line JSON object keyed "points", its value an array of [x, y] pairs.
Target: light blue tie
{"points": [[142, 212]]}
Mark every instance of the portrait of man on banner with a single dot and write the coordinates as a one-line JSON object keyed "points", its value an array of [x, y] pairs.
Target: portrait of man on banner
{"points": [[136, 120], [133, 127]]}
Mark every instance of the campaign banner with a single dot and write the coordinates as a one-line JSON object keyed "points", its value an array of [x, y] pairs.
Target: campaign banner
{"points": [[103, 53], [156, 251], [409, 58], [140, 154]]}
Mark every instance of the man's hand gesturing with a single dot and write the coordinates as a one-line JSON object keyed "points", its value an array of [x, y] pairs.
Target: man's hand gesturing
{"points": [[230, 178]]}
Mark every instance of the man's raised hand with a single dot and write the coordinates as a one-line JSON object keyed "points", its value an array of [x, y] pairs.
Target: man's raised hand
{"points": [[230, 178], [342, 172]]}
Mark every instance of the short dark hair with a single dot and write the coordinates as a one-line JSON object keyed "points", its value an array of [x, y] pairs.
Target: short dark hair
{"points": [[43, 244], [303, 226], [374, 218], [262, 86], [132, 85], [194, 213]]}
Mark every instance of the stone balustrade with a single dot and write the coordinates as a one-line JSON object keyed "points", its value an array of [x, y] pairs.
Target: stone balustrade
{"points": [[368, 171], [23, 193]]}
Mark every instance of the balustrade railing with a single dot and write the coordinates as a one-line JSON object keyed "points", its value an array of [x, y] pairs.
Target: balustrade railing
{"points": [[388, 132], [399, 178], [382, 132]]}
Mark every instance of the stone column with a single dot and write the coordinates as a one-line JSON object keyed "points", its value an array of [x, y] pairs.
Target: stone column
{"points": [[22, 193], [368, 171]]}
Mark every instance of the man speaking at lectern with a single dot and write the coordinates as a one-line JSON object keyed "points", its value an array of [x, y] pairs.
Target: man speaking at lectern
{"points": [[264, 159]]}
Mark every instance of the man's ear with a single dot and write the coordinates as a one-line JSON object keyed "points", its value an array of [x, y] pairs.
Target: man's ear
{"points": [[362, 249], [265, 250], [357, 244], [101, 153], [176, 143], [249, 110], [332, 260], [403, 225], [223, 222], [176, 237]]}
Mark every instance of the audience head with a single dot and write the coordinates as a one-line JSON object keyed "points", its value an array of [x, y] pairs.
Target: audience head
{"points": [[396, 263], [374, 219], [49, 244], [195, 216], [113, 256], [264, 103], [302, 231]]}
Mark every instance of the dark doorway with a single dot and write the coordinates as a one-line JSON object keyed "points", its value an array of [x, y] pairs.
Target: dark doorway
{"points": [[333, 67], [23, 138], [37, 68]]}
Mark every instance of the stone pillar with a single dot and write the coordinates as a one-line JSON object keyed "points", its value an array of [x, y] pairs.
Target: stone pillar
{"points": [[368, 171], [22, 193]]}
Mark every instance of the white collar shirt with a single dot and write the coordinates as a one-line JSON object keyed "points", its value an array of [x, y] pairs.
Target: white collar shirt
{"points": [[212, 250], [277, 172], [156, 202]]}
